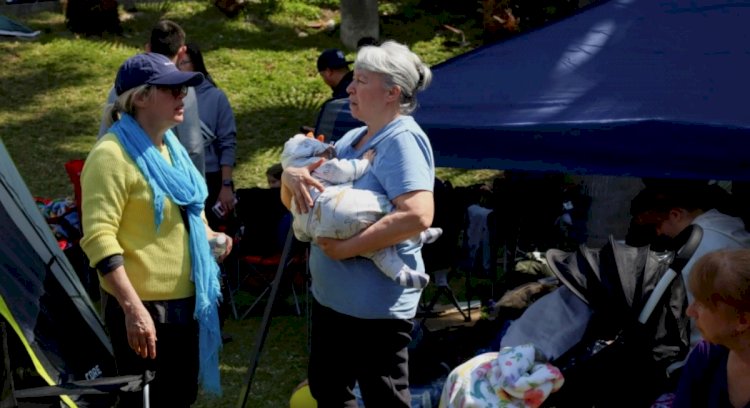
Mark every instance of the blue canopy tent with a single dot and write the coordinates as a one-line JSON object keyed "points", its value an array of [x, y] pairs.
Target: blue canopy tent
{"points": [[645, 88]]}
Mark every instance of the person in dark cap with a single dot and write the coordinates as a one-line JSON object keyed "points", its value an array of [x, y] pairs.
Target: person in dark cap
{"points": [[334, 69], [168, 38], [335, 118], [144, 230]]}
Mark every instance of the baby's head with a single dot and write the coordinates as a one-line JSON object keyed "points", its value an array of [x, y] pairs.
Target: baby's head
{"points": [[273, 175], [301, 151]]}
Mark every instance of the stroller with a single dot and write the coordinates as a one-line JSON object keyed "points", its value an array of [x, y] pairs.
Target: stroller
{"points": [[636, 302]]}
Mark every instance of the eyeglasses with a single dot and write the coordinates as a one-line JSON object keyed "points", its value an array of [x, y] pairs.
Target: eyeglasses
{"points": [[177, 91], [185, 62]]}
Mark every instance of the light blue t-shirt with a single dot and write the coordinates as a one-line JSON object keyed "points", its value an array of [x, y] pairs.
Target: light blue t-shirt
{"points": [[356, 287]]}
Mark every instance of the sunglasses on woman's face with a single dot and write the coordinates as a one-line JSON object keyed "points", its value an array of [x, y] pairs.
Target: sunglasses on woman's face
{"points": [[177, 91]]}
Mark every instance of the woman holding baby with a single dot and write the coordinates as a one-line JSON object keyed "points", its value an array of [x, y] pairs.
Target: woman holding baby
{"points": [[361, 318]]}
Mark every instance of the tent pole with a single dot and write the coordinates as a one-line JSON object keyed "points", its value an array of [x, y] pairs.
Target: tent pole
{"points": [[8, 385], [260, 338]]}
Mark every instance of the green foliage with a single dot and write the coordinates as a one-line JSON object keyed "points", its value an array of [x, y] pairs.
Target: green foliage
{"points": [[164, 6], [308, 11], [465, 177], [268, 7], [330, 4], [386, 8]]}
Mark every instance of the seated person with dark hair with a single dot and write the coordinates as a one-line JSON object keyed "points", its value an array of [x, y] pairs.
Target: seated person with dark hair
{"points": [[273, 175], [668, 209]]}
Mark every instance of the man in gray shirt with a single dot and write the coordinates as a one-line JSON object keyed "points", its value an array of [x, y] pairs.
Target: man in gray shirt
{"points": [[168, 38]]}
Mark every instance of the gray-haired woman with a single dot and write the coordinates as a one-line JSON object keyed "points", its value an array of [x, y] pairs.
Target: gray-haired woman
{"points": [[362, 319]]}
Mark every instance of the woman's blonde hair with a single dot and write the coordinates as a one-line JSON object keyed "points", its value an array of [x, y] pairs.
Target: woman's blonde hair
{"points": [[123, 104], [722, 277], [399, 67]]}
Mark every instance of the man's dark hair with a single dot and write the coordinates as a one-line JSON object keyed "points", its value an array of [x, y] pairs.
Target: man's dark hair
{"points": [[366, 41], [665, 195], [166, 38], [275, 171], [655, 202]]}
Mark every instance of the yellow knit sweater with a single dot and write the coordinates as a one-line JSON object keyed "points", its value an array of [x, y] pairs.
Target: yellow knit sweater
{"points": [[118, 218]]}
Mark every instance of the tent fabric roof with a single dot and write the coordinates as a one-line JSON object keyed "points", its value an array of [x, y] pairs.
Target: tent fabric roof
{"points": [[42, 298], [626, 87]]}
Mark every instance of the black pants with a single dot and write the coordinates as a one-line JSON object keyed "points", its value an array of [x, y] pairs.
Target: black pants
{"points": [[175, 384], [346, 350]]}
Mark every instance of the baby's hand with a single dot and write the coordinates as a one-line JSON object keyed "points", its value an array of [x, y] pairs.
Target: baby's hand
{"points": [[369, 155]]}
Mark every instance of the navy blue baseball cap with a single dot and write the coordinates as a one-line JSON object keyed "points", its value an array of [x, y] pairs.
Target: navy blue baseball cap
{"points": [[332, 58], [152, 69]]}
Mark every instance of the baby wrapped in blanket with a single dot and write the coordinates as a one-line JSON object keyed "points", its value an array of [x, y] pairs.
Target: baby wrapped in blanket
{"points": [[341, 211]]}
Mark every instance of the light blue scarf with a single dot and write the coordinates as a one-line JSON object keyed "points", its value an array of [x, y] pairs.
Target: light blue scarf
{"points": [[182, 184]]}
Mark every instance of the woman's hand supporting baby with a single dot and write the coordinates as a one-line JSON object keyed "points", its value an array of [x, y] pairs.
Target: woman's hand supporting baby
{"points": [[296, 183], [335, 248]]}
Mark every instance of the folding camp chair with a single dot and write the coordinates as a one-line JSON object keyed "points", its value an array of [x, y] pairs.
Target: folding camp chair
{"points": [[75, 254], [12, 396], [259, 244]]}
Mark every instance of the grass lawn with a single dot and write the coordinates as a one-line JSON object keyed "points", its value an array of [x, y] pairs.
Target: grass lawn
{"points": [[282, 365], [54, 87]]}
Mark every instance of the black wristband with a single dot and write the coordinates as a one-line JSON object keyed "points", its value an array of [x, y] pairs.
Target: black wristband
{"points": [[110, 263], [227, 183]]}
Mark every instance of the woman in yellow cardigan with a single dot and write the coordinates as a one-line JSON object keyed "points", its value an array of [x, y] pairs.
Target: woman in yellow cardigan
{"points": [[145, 231]]}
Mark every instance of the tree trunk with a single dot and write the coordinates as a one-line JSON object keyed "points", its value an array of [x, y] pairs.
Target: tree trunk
{"points": [[359, 18]]}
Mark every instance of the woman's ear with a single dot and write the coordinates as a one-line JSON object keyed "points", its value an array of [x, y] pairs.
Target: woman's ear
{"points": [[140, 99], [678, 214], [743, 321], [675, 213], [394, 94], [180, 54]]}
